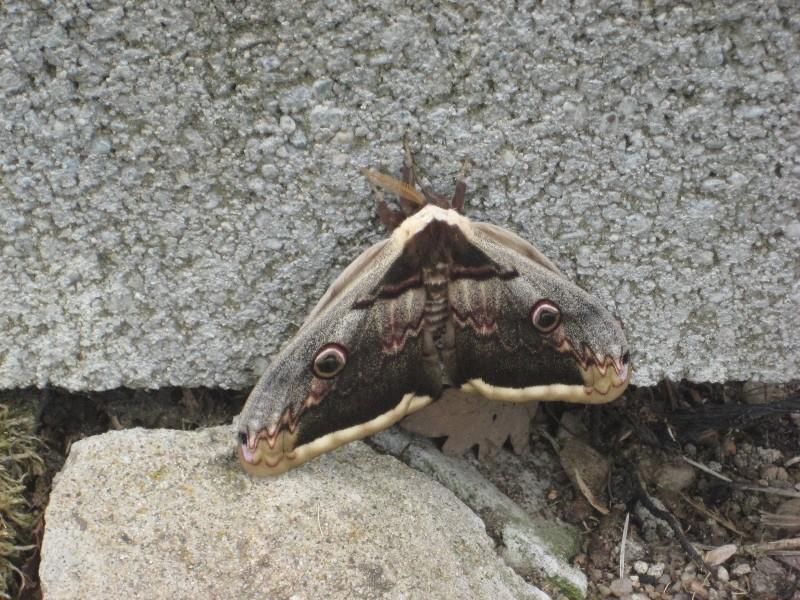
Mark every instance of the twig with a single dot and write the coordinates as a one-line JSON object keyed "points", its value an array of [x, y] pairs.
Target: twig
{"points": [[767, 547], [673, 522], [670, 395], [792, 461], [622, 545], [766, 490], [705, 511], [778, 520], [705, 469], [552, 441]]}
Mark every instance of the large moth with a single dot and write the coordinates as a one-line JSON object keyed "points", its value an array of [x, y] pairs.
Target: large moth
{"points": [[444, 302]]}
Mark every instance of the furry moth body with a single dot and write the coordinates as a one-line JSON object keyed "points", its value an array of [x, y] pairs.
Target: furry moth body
{"points": [[443, 302]]}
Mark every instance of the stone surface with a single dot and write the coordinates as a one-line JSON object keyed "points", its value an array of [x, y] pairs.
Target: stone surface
{"points": [[535, 545], [179, 179], [621, 587], [169, 514]]}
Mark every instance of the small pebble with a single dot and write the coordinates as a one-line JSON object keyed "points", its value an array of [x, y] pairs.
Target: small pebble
{"points": [[697, 589], [741, 570], [287, 124], [719, 555], [298, 139], [656, 570], [774, 473], [722, 574], [640, 567], [621, 587]]}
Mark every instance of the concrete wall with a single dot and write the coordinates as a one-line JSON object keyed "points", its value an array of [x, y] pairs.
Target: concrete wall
{"points": [[179, 179]]}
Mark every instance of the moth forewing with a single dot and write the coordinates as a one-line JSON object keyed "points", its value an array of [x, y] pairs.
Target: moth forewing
{"points": [[513, 242], [444, 302], [582, 355], [352, 274]]}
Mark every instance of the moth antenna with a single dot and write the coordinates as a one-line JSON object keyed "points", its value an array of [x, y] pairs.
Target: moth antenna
{"points": [[409, 172], [465, 165], [402, 189], [409, 175]]}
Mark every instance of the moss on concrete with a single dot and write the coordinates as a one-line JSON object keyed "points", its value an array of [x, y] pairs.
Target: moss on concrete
{"points": [[19, 463], [565, 588]]}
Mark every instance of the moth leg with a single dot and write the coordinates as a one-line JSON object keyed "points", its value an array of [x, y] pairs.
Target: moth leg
{"points": [[390, 218], [457, 203]]}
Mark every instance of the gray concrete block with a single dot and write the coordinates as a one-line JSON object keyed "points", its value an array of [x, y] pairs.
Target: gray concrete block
{"points": [[179, 179]]}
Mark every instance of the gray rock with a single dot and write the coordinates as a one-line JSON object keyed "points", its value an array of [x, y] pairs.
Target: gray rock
{"points": [[722, 574], [741, 570], [656, 570], [533, 545], [169, 514], [621, 587], [651, 153]]}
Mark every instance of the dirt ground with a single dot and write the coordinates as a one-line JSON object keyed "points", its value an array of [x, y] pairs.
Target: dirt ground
{"points": [[707, 478]]}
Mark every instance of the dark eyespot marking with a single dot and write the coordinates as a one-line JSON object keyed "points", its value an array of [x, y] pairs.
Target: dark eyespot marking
{"points": [[329, 361], [626, 358], [545, 316]]}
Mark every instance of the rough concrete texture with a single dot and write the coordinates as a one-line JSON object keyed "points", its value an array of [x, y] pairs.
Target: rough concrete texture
{"points": [[179, 179], [168, 514]]}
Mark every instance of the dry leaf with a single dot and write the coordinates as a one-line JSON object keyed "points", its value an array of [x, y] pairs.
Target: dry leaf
{"points": [[589, 494], [720, 554], [588, 470], [468, 420], [787, 517]]}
